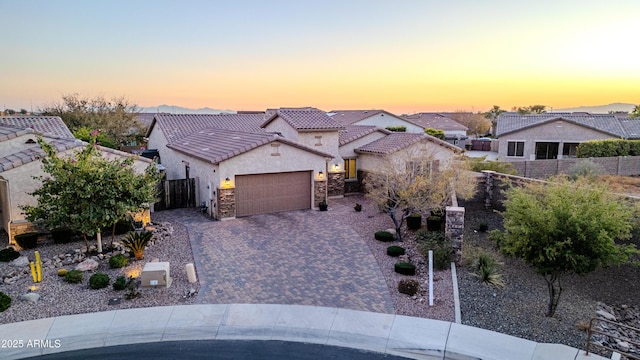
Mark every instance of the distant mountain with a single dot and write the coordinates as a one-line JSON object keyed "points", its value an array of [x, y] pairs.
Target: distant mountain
{"points": [[600, 109], [172, 109]]}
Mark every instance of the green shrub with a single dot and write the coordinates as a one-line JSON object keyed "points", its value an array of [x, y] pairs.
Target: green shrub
{"points": [[435, 223], [399, 128], [414, 221], [435, 133], [73, 276], [123, 226], [5, 301], [27, 240], [479, 164], [384, 236], [441, 246], [395, 250], [120, 283], [118, 261], [62, 235], [608, 148], [136, 242], [483, 227], [405, 268], [486, 269], [584, 168], [8, 254], [133, 286], [99, 281], [409, 287]]}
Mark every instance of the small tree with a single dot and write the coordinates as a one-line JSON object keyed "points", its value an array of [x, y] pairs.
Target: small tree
{"points": [[564, 226], [493, 115], [635, 112], [87, 192], [414, 182], [435, 133]]}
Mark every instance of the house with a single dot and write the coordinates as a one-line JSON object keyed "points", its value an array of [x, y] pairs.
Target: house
{"points": [[455, 133], [20, 161], [557, 135], [281, 159]]}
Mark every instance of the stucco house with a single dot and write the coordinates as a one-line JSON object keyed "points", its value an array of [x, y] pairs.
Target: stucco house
{"points": [[557, 135], [455, 133], [20, 161], [282, 159]]}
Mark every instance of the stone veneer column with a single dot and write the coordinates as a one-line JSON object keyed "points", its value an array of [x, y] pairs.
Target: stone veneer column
{"points": [[226, 203], [488, 188], [336, 184], [454, 229], [319, 192]]}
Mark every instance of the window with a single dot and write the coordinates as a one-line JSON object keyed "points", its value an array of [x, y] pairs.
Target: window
{"points": [[569, 150], [546, 150], [515, 148], [350, 169]]}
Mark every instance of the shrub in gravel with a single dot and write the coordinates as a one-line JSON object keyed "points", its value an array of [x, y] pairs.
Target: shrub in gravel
{"points": [[99, 281], [405, 268], [483, 227], [395, 250], [73, 276], [486, 269], [384, 236], [120, 283], [118, 261], [27, 240], [435, 223], [8, 254], [5, 301], [439, 244], [136, 242], [414, 221], [409, 287], [62, 235], [62, 272]]}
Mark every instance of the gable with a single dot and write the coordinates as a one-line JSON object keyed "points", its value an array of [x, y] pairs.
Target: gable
{"points": [[558, 130]]}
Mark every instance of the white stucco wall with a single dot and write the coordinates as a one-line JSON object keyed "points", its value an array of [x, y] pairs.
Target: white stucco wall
{"points": [[329, 140], [346, 150], [280, 126], [425, 149], [169, 158], [207, 175], [384, 120], [21, 182], [556, 131]]}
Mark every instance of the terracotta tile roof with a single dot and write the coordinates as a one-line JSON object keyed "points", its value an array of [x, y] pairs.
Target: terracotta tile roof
{"points": [[176, 126], [606, 123], [216, 145], [33, 152], [435, 121], [355, 132], [303, 119], [10, 132], [397, 141], [349, 117], [44, 125]]}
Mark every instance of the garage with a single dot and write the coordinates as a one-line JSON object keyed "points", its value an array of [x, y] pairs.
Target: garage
{"points": [[268, 193]]}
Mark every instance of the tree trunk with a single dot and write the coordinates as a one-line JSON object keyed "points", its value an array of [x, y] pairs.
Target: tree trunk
{"points": [[99, 239], [113, 234], [397, 224], [555, 290]]}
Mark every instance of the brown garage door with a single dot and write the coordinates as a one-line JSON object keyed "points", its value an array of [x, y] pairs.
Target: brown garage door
{"points": [[267, 193]]}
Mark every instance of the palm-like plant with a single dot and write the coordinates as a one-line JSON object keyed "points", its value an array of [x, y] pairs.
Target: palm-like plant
{"points": [[136, 242]]}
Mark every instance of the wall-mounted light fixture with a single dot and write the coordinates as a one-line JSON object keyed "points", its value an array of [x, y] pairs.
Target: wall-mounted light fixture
{"points": [[227, 182], [320, 175], [336, 167]]}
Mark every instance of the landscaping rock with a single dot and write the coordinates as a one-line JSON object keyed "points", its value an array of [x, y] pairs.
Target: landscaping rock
{"points": [[87, 265], [606, 315], [32, 297], [391, 231], [20, 262]]}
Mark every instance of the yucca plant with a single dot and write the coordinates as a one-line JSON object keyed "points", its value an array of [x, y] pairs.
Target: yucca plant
{"points": [[136, 242], [486, 268]]}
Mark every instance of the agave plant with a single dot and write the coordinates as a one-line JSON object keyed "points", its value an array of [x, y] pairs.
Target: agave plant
{"points": [[136, 242]]}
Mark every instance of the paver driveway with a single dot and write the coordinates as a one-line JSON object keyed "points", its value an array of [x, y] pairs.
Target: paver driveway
{"points": [[298, 257]]}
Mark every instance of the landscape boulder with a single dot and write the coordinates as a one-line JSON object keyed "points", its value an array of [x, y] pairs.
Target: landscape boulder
{"points": [[87, 265]]}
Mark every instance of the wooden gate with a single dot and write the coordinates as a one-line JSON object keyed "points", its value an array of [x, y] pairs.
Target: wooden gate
{"points": [[175, 194]]}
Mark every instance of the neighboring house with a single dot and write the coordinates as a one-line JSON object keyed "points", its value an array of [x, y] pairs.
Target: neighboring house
{"points": [[557, 135], [454, 132], [282, 159], [20, 161], [379, 118]]}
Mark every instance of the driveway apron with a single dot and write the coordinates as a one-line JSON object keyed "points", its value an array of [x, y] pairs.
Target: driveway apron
{"points": [[300, 257]]}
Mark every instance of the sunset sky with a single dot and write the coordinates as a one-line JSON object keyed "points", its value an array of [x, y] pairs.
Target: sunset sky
{"points": [[403, 56]]}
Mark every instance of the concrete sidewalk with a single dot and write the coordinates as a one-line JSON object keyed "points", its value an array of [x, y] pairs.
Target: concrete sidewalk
{"points": [[411, 337]]}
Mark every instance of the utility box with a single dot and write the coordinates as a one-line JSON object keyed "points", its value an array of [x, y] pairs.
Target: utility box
{"points": [[155, 274]]}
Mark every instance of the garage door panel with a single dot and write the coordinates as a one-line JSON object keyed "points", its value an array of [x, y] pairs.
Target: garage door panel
{"points": [[266, 193]]}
